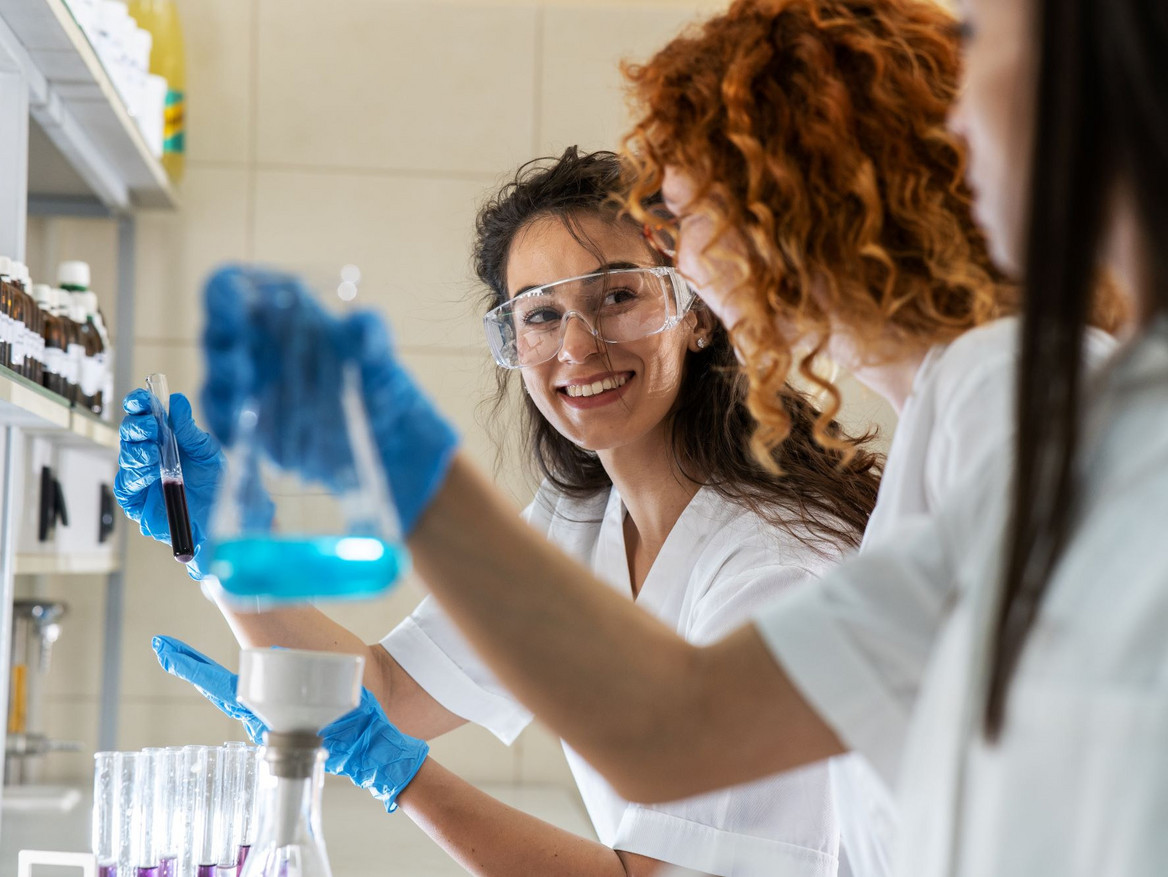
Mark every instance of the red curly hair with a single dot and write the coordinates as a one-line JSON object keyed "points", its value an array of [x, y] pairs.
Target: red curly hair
{"points": [[816, 130]]}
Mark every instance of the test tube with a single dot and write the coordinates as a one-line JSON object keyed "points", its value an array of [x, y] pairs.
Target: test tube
{"points": [[127, 770], [166, 778], [213, 800], [240, 773], [143, 815], [195, 806], [173, 490], [107, 813]]}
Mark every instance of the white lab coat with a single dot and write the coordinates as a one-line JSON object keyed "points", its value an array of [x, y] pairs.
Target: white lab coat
{"points": [[719, 565], [957, 420], [892, 650]]}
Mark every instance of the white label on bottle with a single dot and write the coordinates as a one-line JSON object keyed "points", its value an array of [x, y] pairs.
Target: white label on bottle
{"points": [[76, 353], [53, 360], [90, 376]]}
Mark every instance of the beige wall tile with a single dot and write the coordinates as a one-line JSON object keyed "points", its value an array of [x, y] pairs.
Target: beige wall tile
{"points": [[411, 85], [52, 240], [476, 755], [159, 722], [71, 720], [410, 238], [461, 385], [75, 666], [176, 251], [541, 758], [217, 37], [582, 91]]}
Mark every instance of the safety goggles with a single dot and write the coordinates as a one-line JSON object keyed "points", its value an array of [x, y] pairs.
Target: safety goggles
{"points": [[615, 306]]}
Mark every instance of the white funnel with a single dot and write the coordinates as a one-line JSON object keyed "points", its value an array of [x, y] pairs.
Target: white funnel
{"points": [[296, 690]]}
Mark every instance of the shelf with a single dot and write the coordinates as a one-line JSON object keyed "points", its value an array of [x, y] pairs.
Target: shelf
{"points": [[95, 142], [66, 564], [27, 405]]}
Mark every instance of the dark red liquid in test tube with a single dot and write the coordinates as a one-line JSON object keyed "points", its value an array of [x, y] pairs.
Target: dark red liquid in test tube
{"points": [[181, 540]]}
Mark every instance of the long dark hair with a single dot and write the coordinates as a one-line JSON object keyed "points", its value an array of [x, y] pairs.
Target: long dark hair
{"points": [[1102, 120], [817, 497]]}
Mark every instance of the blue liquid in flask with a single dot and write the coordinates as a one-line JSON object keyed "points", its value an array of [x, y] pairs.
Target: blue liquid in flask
{"points": [[307, 567]]}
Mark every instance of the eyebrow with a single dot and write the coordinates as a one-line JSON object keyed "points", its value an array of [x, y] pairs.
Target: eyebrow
{"points": [[607, 266]]}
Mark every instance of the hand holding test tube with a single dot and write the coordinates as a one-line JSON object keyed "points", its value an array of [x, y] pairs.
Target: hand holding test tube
{"points": [[174, 492]]}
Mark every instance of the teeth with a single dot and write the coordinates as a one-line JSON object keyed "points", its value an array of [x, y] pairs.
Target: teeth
{"points": [[597, 387]]}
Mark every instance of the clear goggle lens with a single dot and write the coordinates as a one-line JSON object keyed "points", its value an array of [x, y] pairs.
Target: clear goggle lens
{"points": [[616, 306]]}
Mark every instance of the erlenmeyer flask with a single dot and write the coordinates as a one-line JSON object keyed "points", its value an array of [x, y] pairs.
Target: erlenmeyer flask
{"points": [[304, 510]]}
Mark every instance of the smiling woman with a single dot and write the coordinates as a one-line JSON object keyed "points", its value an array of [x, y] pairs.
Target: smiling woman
{"points": [[635, 414]]}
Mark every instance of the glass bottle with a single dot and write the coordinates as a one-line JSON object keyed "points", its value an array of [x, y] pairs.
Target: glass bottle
{"points": [[19, 314], [6, 322], [289, 841], [168, 60], [52, 340], [72, 341], [95, 352]]}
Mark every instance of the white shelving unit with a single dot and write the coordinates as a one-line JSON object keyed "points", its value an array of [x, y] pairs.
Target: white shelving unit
{"points": [[69, 147]]}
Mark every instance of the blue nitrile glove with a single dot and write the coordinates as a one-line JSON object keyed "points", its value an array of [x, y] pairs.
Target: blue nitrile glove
{"points": [[214, 681], [362, 744], [262, 327], [138, 486]]}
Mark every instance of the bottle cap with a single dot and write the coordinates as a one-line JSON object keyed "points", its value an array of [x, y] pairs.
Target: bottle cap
{"points": [[20, 275], [73, 274], [88, 301], [43, 293], [5, 266]]}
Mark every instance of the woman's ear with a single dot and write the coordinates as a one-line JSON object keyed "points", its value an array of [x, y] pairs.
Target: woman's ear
{"points": [[701, 328]]}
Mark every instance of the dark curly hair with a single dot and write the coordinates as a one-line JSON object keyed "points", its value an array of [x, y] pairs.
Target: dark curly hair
{"points": [[818, 494]]}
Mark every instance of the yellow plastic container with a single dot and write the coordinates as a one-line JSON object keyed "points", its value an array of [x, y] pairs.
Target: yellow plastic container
{"points": [[168, 60]]}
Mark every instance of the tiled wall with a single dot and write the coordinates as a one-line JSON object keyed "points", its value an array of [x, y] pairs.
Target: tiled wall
{"points": [[362, 131]]}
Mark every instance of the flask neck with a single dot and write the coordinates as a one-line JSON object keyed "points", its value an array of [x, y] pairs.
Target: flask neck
{"points": [[289, 841]]}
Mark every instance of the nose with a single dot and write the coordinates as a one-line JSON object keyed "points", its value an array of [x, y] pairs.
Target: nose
{"points": [[579, 341]]}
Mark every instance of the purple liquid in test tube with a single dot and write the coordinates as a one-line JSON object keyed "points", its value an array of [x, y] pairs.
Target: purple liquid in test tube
{"points": [[182, 542]]}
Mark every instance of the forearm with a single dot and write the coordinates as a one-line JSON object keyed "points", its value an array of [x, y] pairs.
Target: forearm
{"points": [[652, 712], [490, 839]]}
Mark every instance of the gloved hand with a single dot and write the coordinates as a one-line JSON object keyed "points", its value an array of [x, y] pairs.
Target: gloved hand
{"points": [[268, 339], [214, 681], [362, 744], [138, 486]]}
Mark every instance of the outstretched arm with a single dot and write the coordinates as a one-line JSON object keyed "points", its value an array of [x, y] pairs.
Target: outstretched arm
{"points": [[490, 839], [660, 718], [406, 703]]}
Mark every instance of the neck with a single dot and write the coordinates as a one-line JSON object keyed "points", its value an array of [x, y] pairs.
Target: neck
{"points": [[1124, 253], [654, 491], [893, 379]]}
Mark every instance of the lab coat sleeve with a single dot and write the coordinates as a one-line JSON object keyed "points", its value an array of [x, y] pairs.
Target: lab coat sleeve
{"points": [[857, 645], [778, 825], [429, 647]]}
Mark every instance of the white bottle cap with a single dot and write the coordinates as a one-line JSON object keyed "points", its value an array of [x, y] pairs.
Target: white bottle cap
{"points": [[20, 275], [43, 293], [5, 266], [73, 274], [88, 302]]}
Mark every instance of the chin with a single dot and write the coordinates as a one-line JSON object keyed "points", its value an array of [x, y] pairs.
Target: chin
{"points": [[1004, 235]]}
